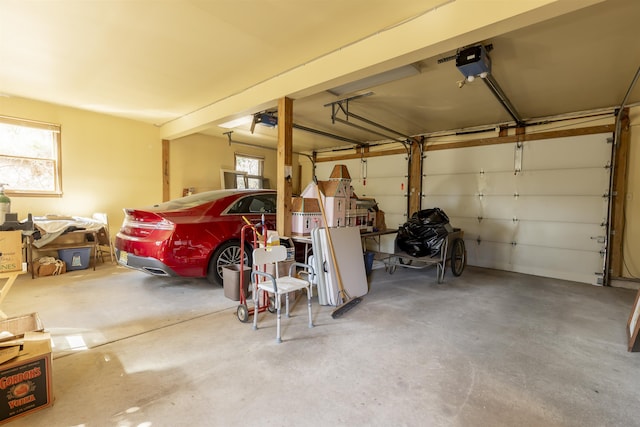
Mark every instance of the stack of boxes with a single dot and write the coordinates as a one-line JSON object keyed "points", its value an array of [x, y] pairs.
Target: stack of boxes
{"points": [[25, 349]]}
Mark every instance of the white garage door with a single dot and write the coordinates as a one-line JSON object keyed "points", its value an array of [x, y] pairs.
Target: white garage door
{"points": [[539, 209], [382, 178]]}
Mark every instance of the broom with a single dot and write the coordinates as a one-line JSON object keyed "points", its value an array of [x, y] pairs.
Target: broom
{"points": [[347, 302]]}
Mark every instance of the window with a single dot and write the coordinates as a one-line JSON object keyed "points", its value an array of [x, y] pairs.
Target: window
{"points": [[263, 203], [253, 166], [30, 157]]}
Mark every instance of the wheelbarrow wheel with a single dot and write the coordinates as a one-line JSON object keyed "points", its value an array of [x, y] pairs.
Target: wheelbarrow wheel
{"points": [[458, 257], [243, 313]]}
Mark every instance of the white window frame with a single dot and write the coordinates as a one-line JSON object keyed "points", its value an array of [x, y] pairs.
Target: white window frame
{"points": [[248, 178], [13, 188]]}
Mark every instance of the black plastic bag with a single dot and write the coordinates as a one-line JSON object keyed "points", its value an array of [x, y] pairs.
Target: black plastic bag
{"points": [[433, 216], [424, 233]]}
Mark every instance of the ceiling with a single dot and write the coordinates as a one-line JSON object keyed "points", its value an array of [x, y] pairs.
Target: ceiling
{"points": [[189, 66]]}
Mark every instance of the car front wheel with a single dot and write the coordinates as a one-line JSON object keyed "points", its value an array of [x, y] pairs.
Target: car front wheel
{"points": [[227, 253]]}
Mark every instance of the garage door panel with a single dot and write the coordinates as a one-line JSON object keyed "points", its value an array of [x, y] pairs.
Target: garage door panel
{"points": [[560, 263], [584, 181], [559, 235], [488, 254], [497, 230], [538, 221], [454, 205], [570, 209], [381, 186], [497, 183], [469, 226], [567, 153], [394, 221], [549, 262], [449, 184], [498, 207], [494, 158], [394, 208], [385, 166]]}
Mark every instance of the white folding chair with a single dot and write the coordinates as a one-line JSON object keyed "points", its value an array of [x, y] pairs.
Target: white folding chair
{"points": [[277, 286]]}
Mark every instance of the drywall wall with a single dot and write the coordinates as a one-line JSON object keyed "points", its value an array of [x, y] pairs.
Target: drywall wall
{"points": [[108, 163], [196, 161]]}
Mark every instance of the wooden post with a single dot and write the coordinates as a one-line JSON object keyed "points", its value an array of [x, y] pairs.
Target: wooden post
{"points": [[166, 194], [284, 165], [619, 197], [415, 178]]}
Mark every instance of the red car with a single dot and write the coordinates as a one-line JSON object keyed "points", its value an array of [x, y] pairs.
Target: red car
{"points": [[194, 236]]}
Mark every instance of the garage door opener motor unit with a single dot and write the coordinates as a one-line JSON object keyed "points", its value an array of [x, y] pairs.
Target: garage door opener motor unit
{"points": [[473, 62]]}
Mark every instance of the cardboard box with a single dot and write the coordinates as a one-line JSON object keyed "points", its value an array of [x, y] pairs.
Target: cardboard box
{"points": [[17, 326], [25, 368], [10, 251], [380, 223], [48, 269]]}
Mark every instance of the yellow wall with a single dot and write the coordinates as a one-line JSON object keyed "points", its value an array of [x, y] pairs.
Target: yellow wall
{"points": [[632, 212], [108, 163], [196, 161]]}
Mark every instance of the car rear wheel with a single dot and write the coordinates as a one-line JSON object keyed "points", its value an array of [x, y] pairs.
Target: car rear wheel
{"points": [[227, 253]]}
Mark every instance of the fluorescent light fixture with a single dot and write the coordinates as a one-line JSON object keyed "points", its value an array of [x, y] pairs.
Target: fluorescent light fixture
{"points": [[376, 80], [244, 120]]}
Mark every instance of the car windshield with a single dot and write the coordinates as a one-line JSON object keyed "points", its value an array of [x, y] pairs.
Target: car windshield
{"points": [[193, 200]]}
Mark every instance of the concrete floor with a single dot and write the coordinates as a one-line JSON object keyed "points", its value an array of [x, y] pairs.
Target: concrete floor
{"points": [[488, 348]]}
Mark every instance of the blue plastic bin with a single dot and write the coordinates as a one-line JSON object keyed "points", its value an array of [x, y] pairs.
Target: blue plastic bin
{"points": [[76, 258], [368, 262]]}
